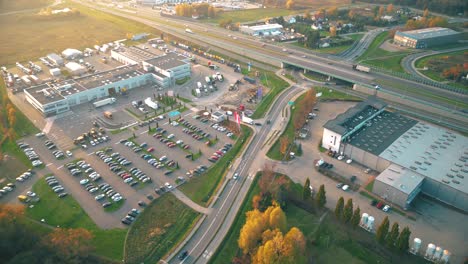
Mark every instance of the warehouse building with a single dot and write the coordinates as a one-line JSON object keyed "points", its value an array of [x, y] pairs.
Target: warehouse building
{"points": [[55, 98], [413, 157], [75, 69], [262, 30], [426, 38], [72, 54], [55, 58]]}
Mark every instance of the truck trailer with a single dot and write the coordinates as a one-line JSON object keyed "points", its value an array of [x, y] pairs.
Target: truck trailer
{"points": [[104, 102], [361, 68], [250, 80]]}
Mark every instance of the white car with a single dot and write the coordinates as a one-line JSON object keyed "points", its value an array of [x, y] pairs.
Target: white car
{"points": [[345, 187], [30, 194], [99, 196], [349, 161], [84, 181], [93, 190], [41, 134], [168, 185], [170, 136], [386, 208], [236, 176], [20, 179], [69, 154], [340, 157]]}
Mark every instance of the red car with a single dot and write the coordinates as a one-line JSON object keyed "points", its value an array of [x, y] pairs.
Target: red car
{"points": [[380, 205], [151, 149]]}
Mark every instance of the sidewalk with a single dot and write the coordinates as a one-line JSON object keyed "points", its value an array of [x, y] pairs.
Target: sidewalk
{"points": [[183, 198]]}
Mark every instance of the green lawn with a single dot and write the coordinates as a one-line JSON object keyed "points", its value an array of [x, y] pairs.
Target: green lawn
{"points": [[373, 50], [252, 14], [201, 188], [276, 86], [437, 63], [274, 151], [335, 49], [330, 94], [18, 5], [67, 213], [85, 30], [159, 228], [391, 62]]}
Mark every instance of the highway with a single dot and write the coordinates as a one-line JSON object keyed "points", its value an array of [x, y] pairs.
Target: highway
{"points": [[258, 51], [360, 47]]}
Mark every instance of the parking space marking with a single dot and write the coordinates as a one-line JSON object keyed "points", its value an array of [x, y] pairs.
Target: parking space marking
{"points": [[59, 167], [49, 164], [144, 132], [89, 154]]}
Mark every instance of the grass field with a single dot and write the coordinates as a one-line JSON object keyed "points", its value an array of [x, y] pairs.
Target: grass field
{"points": [[274, 151], [436, 64], [28, 36], [336, 49], [253, 14], [18, 5], [66, 212], [276, 86], [201, 188], [161, 226], [381, 58]]}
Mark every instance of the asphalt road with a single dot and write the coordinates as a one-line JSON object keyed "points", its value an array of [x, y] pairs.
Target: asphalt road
{"points": [[360, 47], [409, 61], [211, 232], [271, 54]]}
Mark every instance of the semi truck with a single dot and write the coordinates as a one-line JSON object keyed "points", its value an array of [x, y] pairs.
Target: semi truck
{"points": [[104, 102], [361, 68], [247, 120]]}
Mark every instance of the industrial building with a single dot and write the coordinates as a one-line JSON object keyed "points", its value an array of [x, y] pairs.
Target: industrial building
{"points": [[413, 157], [55, 58], [262, 30], [72, 54], [140, 68], [426, 38]]}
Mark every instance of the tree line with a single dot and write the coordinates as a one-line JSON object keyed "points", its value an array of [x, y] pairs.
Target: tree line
{"points": [[7, 122], [201, 10], [449, 7]]}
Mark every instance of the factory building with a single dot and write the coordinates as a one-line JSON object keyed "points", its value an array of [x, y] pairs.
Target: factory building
{"points": [[55, 58], [262, 30], [71, 54], [55, 98], [426, 38], [413, 157]]}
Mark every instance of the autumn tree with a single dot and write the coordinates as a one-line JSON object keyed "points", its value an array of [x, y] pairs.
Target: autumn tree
{"points": [[356, 217], [70, 244], [251, 232], [390, 9], [426, 12], [381, 11], [284, 144], [290, 4], [332, 11], [392, 237], [351, 14], [320, 197], [339, 208], [382, 230], [306, 193], [332, 31], [348, 211], [282, 249], [402, 243], [277, 219]]}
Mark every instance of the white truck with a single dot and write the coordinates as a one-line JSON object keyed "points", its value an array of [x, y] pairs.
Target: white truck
{"points": [[247, 120], [104, 102], [361, 68], [188, 30]]}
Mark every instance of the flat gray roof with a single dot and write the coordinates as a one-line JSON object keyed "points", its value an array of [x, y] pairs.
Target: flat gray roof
{"points": [[426, 33], [354, 116], [51, 92], [380, 132], [168, 61], [433, 152], [400, 178], [135, 53]]}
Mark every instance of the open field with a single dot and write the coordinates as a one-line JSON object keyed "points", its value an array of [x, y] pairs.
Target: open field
{"points": [[67, 213], [201, 188], [276, 86], [336, 49], [28, 36], [436, 64], [253, 14], [159, 228], [17, 5]]}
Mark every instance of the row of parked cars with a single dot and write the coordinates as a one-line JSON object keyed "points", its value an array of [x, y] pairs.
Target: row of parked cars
{"points": [[220, 128], [194, 131], [25, 175], [6, 189], [200, 169], [220, 152], [117, 163], [131, 216], [170, 141], [56, 186], [30, 153]]}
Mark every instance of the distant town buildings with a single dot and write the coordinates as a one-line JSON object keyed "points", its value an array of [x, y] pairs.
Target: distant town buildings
{"points": [[426, 38]]}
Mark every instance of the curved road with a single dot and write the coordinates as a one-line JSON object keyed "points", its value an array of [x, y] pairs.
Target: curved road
{"points": [[409, 61]]}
